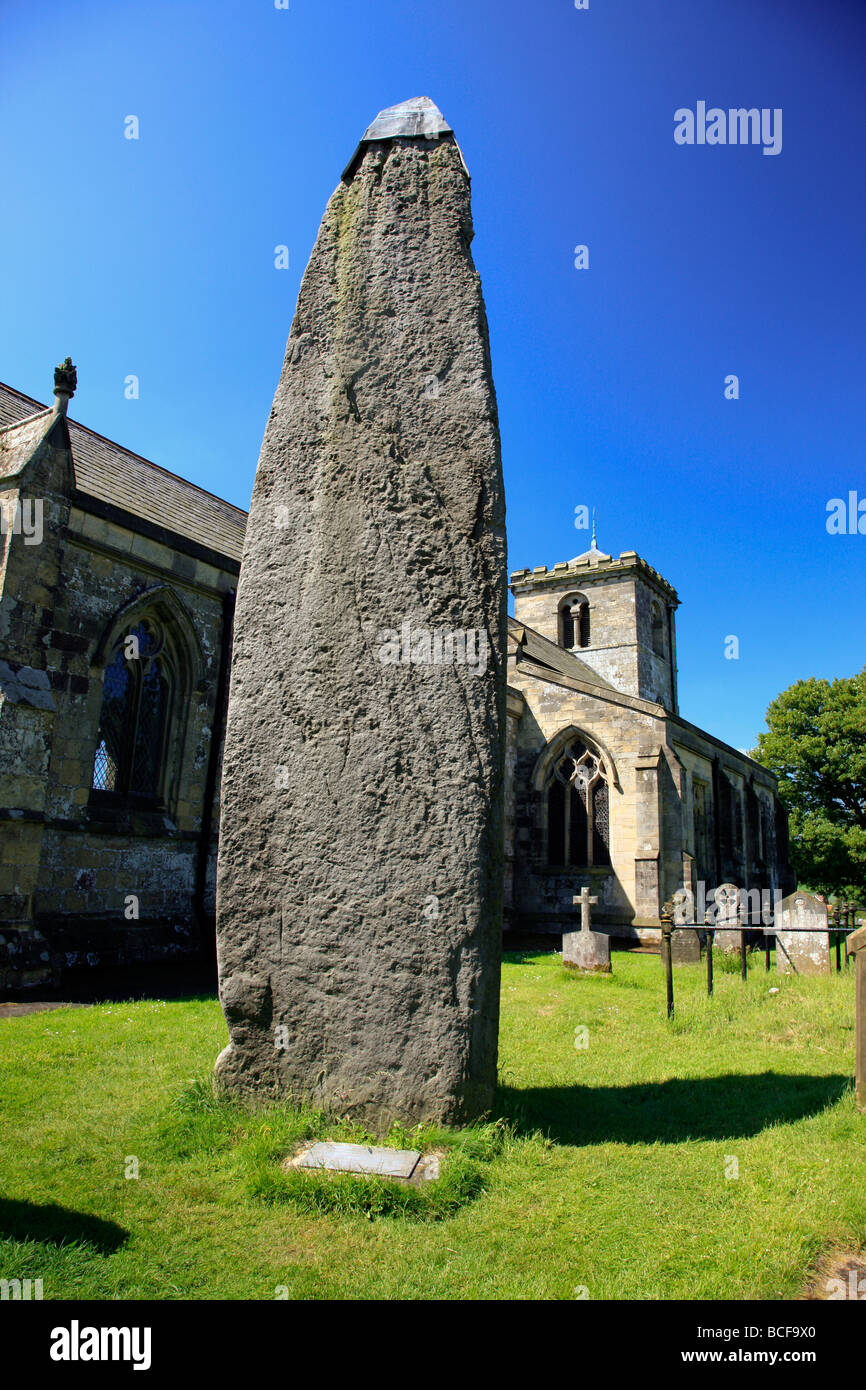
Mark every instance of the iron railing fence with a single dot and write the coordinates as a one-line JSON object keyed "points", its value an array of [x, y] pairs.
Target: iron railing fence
{"points": [[841, 922]]}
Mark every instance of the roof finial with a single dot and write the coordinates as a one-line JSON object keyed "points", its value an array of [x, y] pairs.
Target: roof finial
{"points": [[593, 556], [65, 382]]}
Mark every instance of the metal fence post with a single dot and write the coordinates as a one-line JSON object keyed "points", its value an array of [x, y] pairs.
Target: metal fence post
{"points": [[667, 954], [744, 960]]}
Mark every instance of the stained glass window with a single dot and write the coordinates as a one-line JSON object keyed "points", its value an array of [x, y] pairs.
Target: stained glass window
{"points": [[578, 810], [133, 718]]}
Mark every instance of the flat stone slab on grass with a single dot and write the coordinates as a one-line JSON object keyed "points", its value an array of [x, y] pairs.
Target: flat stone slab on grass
{"points": [[362, 1159]]}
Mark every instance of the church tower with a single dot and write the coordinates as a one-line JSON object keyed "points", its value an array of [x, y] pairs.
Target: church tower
{"points": [[616, 615]]}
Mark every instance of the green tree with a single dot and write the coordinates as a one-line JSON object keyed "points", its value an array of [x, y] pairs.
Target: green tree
{"points": [[816, 745]]}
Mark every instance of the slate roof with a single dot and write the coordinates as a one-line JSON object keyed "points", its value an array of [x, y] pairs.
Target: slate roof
{"points": [[542, 652], [20, 440], [109, 472]]}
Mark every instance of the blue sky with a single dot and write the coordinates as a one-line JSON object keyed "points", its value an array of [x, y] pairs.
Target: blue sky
{"points": [[155, 257]]}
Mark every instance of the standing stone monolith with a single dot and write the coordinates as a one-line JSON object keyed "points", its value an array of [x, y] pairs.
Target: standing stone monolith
{"points": [[360, 876]]}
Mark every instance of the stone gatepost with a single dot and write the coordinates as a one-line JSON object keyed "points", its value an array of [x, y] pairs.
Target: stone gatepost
{"points": [[802, 935], [857, 949]]}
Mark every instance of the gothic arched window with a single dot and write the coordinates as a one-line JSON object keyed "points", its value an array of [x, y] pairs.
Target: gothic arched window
{"points": [[578, 809], [574, 622], [133, 721], [658, 630]]}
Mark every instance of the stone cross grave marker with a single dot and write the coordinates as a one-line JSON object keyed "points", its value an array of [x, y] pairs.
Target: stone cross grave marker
{"points": [[726, 917], [586, 949], [802, 935]]}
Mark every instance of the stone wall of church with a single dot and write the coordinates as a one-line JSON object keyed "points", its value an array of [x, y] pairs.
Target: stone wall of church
{"points": [[654, 669], [612, 649], [622, 595], [94, 884], [515, 707], [663, 768], [730, 816], [621, 729]]}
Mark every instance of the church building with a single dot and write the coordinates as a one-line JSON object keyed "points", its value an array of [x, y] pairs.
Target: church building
{"points": [[609, 786], [117, 583]]}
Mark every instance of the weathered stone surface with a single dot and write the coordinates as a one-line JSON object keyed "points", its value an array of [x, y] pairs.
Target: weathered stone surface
{"points": [[361, 844], [802, 935], [685, 946], [25, 685], [724, 912], [111, 883], [586, 950]]}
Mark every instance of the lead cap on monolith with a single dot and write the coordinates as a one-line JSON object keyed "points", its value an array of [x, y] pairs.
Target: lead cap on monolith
{"points": [[419, 118], [360, 874]]}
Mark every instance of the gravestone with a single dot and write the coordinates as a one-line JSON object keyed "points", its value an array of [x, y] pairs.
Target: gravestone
{"points": [[686, 939], [802, 935], [723, 912], [360, 874], [586, 949], [686, 946]]}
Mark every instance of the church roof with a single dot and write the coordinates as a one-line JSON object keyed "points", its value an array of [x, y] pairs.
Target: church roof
{"points": [[592, 565], [593, 556], [542, 652], [19, 440], [112, 474]]}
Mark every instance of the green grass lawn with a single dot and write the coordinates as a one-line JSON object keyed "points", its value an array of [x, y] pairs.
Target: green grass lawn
{"points": [[608, 1174]]}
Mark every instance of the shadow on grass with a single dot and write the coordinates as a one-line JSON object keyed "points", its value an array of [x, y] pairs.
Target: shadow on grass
{"points": [[56, 1225], [184, 981], [668, 1112]]}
